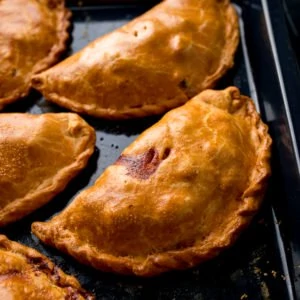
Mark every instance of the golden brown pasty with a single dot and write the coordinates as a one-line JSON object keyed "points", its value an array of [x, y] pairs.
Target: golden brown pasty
{"points": [[155, 63], [39, 155], [177, 196], [27, 274], [33, 34]]}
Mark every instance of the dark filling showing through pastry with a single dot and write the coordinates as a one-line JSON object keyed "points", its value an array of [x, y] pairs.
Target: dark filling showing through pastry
{"points": [[142, 166], [41, 265], [9, 274]]}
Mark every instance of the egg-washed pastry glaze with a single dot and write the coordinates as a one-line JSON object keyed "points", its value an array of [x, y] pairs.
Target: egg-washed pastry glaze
{"points": [[27, 274], [177, 196], [39, 155], [152, 64], [33, 34]]}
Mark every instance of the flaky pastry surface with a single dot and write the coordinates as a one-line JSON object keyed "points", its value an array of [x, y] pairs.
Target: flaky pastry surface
{"points": [[152, 64], [33, 33], [40, 154], [177, 196], [27, 274]]}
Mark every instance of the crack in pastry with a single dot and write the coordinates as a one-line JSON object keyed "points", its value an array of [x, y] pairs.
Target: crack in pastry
{"points": [[177, 196], [154, 63], [33, 35], [141, 166], [40, 154], [25, 273]]}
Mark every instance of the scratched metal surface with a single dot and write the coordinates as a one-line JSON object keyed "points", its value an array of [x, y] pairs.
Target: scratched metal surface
{"points": [[251, 269]]}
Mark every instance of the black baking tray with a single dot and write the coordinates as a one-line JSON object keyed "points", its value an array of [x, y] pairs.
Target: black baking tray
{"points": [[264, 263]]}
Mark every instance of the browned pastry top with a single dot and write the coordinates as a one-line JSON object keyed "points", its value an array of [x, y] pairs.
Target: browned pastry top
{"points": [[156, 62], [177, 196], [27, 274], [39, 155], [33, 34]]}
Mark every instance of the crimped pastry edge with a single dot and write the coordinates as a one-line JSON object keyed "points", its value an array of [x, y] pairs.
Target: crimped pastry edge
{"points": [[226, 62], [21, 207], [48, 61], [61, 279], [158, 263]]}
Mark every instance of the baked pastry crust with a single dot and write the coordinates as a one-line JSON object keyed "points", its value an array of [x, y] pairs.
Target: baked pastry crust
{"points": [[27, 274], [154, 63], [40, 154], [178, 195], [33, 34]]}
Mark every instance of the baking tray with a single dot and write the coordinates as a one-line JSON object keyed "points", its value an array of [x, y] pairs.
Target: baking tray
{"points": [[262, 263]]}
